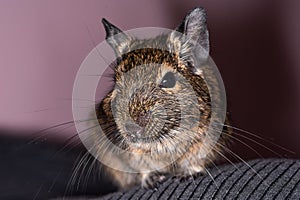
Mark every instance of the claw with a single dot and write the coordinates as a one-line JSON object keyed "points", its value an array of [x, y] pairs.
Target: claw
{"points": [[153, 180]]}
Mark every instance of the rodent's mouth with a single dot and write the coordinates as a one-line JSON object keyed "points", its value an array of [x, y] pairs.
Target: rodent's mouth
{"points": [[138, 139], [157, 129]]}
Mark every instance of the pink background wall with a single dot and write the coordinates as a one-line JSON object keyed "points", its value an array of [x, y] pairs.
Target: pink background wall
{"points": [[255, 44]]}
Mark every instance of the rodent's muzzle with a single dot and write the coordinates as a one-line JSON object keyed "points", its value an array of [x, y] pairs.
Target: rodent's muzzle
{"points": [[137, 128], [134, 130], [152, 112], [140, 106]]}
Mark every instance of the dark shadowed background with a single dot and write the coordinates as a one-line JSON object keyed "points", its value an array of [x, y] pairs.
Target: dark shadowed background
{"points": [[255, 44]]}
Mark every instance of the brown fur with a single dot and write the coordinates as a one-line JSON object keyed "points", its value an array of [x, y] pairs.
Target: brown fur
{"points": [[137, 97]]}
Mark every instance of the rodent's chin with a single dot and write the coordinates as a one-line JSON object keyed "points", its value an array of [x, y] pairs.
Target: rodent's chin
{"points": [[130, 138]]}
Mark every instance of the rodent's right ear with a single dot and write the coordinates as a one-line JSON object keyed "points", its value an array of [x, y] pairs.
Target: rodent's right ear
{"points": [[116, 38], [191, 39], [194, 26]]}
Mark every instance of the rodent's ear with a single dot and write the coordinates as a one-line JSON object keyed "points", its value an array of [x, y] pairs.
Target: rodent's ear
{"points": [[194, 28], [116, 38]]}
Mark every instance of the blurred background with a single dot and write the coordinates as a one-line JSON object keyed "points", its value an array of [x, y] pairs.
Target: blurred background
{"points": [[255, 44]]}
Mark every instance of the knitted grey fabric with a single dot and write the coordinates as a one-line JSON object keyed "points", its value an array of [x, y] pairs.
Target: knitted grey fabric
{"points": [[256, 179], [43, 171]]}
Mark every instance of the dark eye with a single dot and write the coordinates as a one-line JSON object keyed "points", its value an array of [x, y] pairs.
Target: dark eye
{"points": [[168, 81]]}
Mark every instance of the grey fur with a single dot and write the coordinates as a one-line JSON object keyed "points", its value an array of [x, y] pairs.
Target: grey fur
{"points": [[117, 39]]}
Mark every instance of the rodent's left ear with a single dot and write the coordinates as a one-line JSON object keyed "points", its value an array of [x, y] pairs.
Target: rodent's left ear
{"points": [[194, 28], [116, 38]]}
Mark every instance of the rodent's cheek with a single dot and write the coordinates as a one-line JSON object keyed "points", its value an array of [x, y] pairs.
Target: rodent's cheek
{"points": [[113, 95], [119, 113], [174, 89], [177, 87], [158, 108]]}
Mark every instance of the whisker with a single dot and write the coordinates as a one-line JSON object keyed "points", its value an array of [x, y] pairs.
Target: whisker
{"points": [[263, 146], [213, 179], [85, 164], [242, 160], [69, 142], [223, 156], [231, 136], [259, 137], [89, 172], [36, 138], [70, 185], [55, 180], [38, 135]]}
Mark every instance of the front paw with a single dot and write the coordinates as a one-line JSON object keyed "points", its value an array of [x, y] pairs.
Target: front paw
{"points": [[152, 180], [187, 176]]}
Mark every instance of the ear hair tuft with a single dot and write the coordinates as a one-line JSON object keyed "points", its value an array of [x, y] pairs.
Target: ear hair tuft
{"points": [[194, 46], [116, 38], [110, 29]]}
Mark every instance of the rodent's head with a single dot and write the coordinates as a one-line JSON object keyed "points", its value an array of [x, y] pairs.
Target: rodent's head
{"points": [[160, 100]]}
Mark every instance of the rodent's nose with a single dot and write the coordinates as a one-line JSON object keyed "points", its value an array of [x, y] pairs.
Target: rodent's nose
{"points": [[143, 119], [134, 129]]}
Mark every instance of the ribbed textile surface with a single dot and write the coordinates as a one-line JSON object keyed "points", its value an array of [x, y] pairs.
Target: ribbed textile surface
{"points": [[256, 179]]}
